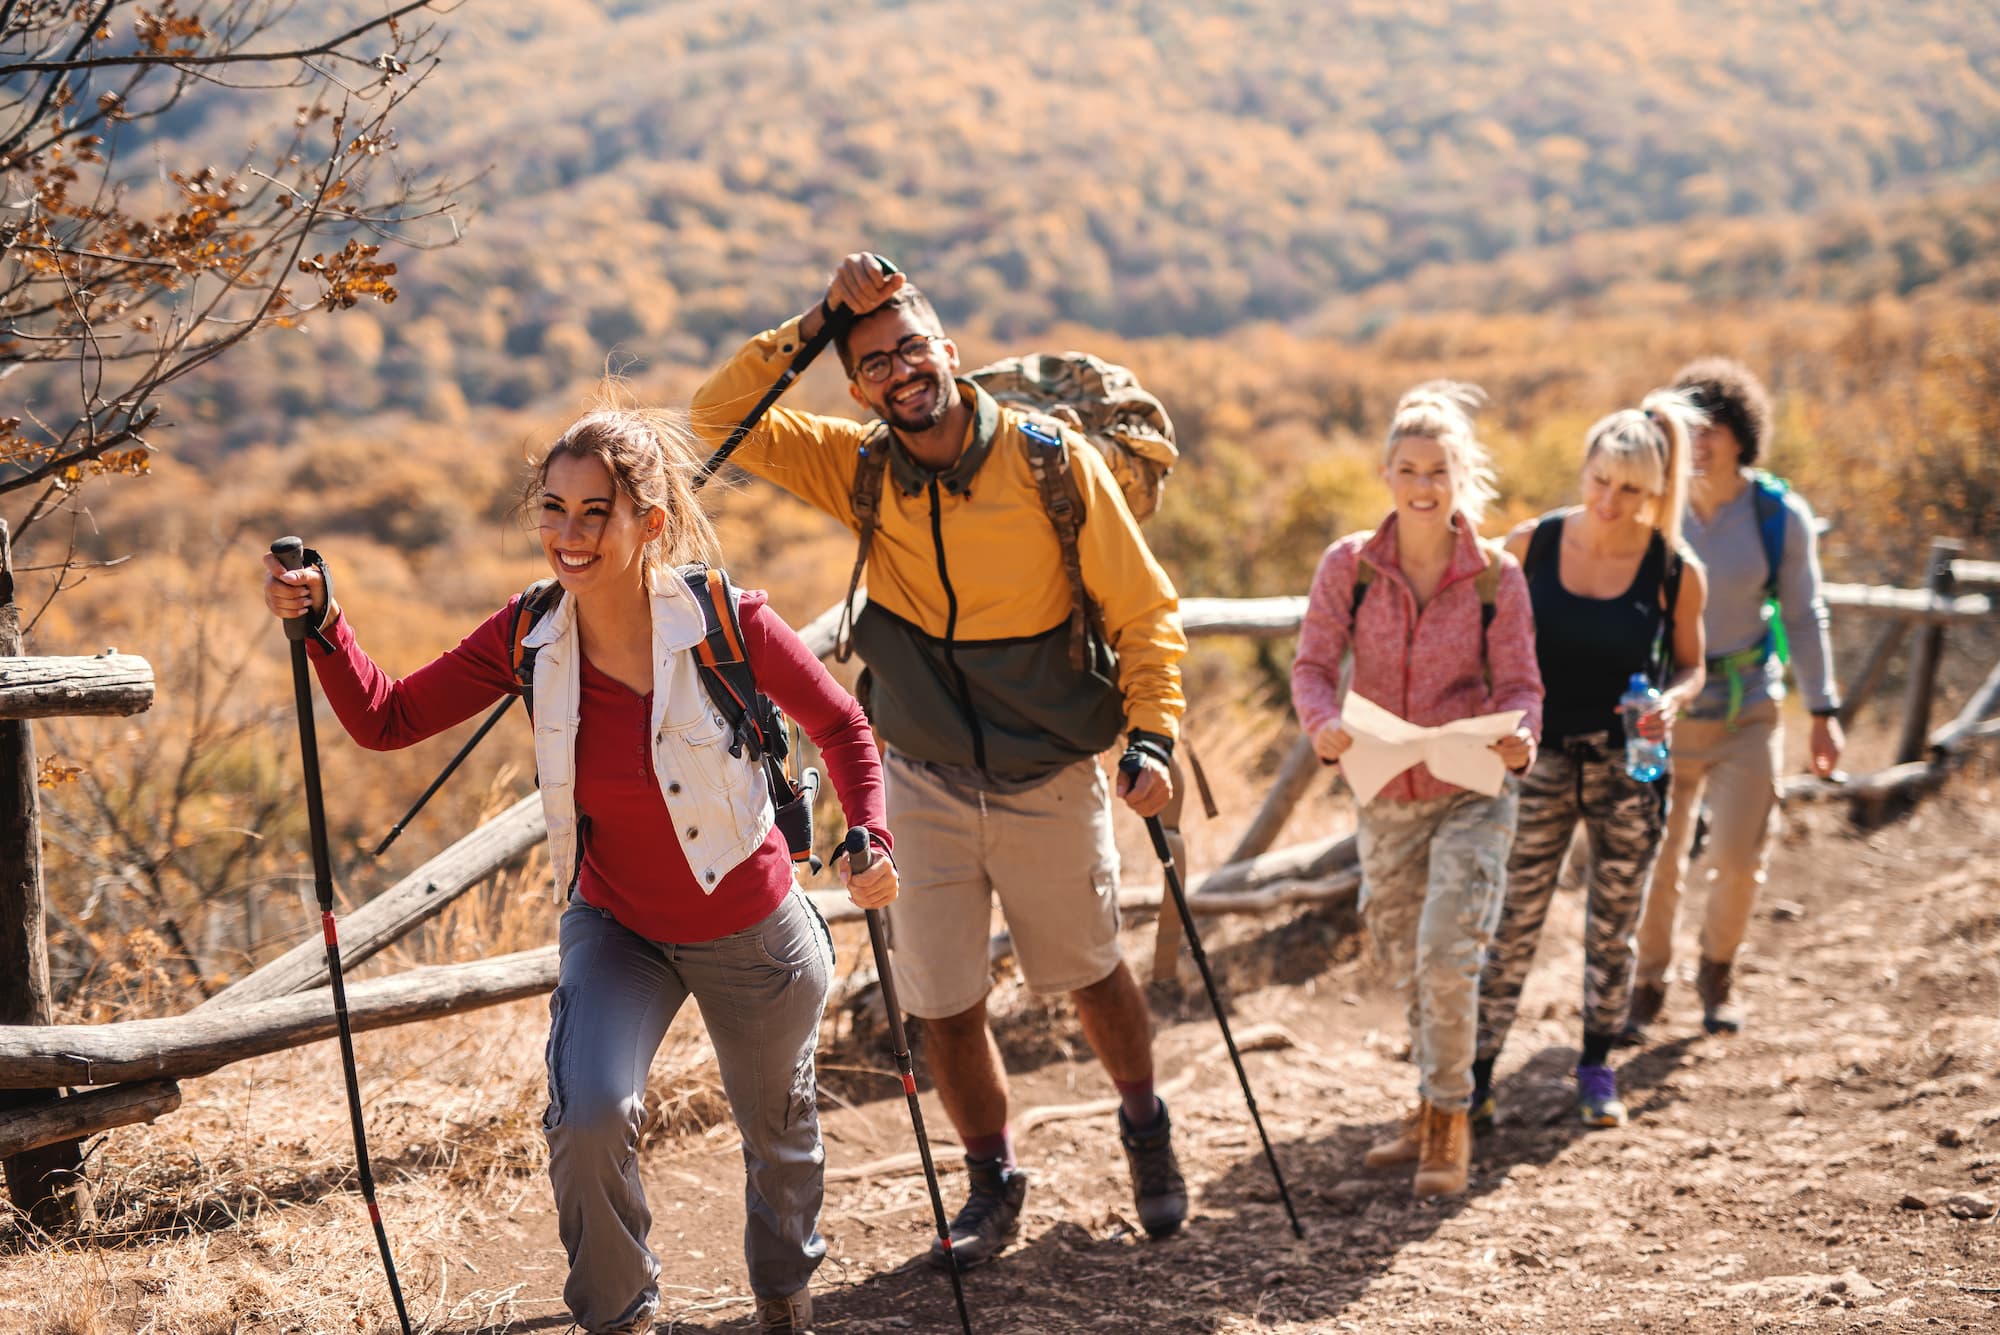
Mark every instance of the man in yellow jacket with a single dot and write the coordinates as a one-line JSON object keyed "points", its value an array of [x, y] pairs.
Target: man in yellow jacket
{"points": [[991, 726]]}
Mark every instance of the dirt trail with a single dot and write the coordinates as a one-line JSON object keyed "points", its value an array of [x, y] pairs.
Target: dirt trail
{"points": [[1815, 1172], [1811, 1172]]}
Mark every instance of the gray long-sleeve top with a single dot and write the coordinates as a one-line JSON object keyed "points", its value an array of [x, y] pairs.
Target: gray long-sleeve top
{"points": [[1730, 547]]}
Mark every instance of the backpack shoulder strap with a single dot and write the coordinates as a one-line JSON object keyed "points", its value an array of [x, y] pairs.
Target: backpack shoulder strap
{"points": [[1543, 543], [725, 666], [1049, 462], [535, 603], [1767, 494], [1487, 581], [864, 498]]}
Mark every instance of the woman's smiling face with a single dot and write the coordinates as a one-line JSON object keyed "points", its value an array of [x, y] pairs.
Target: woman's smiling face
{"points": [[1420, 483], [592, 535]]}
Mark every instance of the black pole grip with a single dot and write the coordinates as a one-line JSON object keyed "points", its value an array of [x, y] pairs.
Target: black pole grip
{"points": [[860, 854], [291, 554]]}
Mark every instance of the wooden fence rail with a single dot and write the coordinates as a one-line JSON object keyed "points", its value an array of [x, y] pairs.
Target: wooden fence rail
{"points": [[284, 1004]]}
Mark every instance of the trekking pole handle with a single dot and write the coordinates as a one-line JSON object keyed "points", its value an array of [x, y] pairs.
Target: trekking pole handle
{"points": [[860, 855], [291, 554]]}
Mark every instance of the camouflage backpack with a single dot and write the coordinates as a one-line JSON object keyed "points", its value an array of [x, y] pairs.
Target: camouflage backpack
{"points": [[1104, 402]]}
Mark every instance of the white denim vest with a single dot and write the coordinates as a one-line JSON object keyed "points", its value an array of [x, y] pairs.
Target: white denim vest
{"points": [[720, 804]]}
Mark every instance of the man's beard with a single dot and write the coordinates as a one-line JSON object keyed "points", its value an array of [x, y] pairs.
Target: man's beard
{"points": [[917, 422]]}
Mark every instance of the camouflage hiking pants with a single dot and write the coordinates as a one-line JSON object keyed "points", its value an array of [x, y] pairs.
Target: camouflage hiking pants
{"points": [[1433, 873], [1581, 778]]}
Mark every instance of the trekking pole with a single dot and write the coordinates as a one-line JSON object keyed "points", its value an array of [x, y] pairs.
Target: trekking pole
{"points": [[291, 554], [1130, 767], [833, 320], [859, 855]]}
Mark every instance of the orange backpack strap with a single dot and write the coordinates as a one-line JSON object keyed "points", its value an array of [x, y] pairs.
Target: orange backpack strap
{"points": [[536, 602]]}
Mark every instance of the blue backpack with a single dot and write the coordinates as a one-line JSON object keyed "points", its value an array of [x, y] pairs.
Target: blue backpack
{"points": [[1767, 494]]}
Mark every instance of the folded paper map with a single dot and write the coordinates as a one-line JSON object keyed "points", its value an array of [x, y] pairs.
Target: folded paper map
{"points": [[1385, 746]]}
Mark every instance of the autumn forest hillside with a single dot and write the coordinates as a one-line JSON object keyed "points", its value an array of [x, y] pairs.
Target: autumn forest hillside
{"points": [[1280, 214]]}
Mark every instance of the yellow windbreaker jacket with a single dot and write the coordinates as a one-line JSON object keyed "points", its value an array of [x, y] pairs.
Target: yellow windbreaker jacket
{"points": [[966, 631]]}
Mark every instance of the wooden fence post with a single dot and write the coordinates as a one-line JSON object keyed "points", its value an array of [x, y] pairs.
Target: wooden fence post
{"points": [[1929, 652], [46, 1184]]}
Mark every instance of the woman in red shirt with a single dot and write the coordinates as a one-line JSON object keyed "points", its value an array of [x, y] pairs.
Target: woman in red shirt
{"points": [[1443, 633], [678, 883]]}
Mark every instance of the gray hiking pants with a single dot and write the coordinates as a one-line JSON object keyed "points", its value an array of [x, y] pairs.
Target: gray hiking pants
{"points": [[761, 993]]}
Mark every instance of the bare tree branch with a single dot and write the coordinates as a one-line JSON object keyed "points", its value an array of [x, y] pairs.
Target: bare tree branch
{"points": [[331, 46]]}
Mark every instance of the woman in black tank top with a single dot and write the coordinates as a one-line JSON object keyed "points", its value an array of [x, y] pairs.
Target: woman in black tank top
{"points": [[1614, 593]]}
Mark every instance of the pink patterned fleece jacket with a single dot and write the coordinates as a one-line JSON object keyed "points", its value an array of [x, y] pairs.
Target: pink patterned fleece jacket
{"points": [[1429, 665]]}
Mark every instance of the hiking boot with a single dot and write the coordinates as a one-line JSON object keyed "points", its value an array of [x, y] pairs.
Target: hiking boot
{"points": [[1158, 1191], [1711, 984], [789, 1315], [1597, 1101], [1406, 1146], [1446, 1159], [1647, 999], [992, 1211]]}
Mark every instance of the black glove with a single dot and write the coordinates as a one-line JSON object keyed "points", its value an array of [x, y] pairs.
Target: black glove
{"points": [[1143, 746]]}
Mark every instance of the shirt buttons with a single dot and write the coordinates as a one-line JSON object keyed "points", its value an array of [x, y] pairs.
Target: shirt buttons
{"points": [[709, 877], [693, 832], [673, 787]]}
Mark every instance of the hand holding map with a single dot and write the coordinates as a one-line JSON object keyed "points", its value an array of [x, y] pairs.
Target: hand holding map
{"points": [[1457, 753]]}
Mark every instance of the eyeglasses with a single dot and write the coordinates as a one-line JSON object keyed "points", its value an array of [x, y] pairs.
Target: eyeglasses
{"points": [[914, 351]]}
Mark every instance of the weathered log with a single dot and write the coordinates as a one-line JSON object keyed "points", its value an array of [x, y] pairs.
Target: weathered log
{"points": [[402, 908], [1978, 705], [108, 683], [1257, 618], [1971, 575], [1929, 652], [56, 1120], [46, 1183], [1873, 670], [1339, 887], [1919, 605], [1295, 777], [200, 1041], [1320, 860]]}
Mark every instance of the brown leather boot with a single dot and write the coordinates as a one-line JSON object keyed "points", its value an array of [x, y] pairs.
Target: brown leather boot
{"points": [[1711, 984], [1405, 1146], [1647, 999], [1446, 1161]]}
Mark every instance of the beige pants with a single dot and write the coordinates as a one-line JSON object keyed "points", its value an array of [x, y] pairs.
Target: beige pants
{"points": [[1737, 770], [1046, 854]]}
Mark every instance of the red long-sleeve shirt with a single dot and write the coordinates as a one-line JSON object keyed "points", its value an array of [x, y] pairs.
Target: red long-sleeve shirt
{"points": [[633, 865]]}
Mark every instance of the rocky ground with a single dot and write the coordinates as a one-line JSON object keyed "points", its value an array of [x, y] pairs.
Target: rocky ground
{"points": [[1835, 1167]]}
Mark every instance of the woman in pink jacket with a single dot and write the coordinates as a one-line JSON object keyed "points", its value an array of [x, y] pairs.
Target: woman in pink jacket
{"points": [[1440, 629]]}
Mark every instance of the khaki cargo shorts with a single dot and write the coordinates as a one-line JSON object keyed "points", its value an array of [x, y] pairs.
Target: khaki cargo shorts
{"points": [[1047, 853]]}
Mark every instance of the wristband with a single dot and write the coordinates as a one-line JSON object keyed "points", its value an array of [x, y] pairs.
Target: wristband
{"points": [[1830, 711], [1151, 746]]}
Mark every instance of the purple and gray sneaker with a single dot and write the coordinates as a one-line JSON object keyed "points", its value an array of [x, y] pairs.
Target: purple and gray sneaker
{"points": [[1597, 1100]]}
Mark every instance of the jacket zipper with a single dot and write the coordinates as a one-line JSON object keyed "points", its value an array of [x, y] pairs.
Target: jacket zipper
{"points": [[951, 634]]}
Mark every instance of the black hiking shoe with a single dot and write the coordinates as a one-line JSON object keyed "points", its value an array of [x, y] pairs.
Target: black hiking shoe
{"points": [[982, 1229], [1157, 1188], [1484, 1111]]}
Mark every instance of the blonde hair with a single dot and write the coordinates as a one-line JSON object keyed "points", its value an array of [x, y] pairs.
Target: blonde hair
{"points": [[1442, 410], [654, 459], [1649, 447]]}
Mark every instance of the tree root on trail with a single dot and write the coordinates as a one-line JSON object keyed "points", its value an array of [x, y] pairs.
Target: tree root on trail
{"points": [[1257, 1038]]}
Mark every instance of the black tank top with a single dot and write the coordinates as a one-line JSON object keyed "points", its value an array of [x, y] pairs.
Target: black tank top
{"points": [[1588, 648]]}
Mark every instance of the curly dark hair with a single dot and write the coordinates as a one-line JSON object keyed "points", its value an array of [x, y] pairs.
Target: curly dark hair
{"points": [[907, 298], [1732, 396]]}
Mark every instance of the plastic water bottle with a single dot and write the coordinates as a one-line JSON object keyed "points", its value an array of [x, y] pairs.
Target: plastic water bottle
{"points": [[1644, 760]]}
